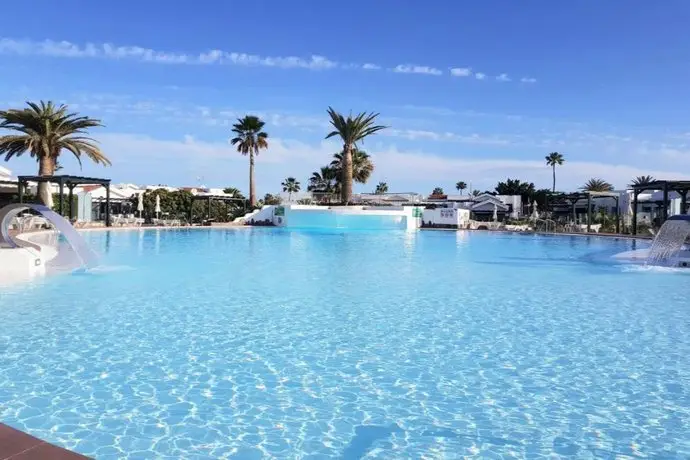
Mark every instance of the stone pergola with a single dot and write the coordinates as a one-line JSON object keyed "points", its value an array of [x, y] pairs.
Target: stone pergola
{"points": [[681, 187], [211, 198], [70, 182], [572, 198]]}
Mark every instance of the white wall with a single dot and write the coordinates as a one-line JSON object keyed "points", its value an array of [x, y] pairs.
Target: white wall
{"points": [[447, 216]]}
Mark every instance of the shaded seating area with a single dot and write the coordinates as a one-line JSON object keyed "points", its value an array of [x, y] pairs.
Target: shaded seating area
{"points": [[70, 182], [681, 187], [572, 199], [210, 199]]}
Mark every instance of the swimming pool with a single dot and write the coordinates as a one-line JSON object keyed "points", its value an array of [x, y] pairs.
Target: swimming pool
{"points": [[315, 344]]}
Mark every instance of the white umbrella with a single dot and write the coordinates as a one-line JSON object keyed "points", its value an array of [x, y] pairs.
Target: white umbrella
{"points": [[158, 205], [140, 204], [50, 204], [495, 213], [535, 212]]}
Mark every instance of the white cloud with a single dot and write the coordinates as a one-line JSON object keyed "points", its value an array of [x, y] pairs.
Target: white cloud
{"points": [[461, 71], [528, 80], [66, 49], [417, 69], [146, 159]]}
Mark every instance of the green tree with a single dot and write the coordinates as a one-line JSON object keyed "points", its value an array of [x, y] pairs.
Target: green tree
{"points": [[291, 185], [381, 188], [323, 180], [250, 139], [597, 185], [515, 187], [235, 192], [362, 167], [45, 130], [437, 191], [351, 130], [476, 193], [643, 180], [460, 186], [554, 159], [270, 199]]}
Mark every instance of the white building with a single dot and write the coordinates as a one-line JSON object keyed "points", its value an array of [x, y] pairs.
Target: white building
{"points": [[482, 206]]}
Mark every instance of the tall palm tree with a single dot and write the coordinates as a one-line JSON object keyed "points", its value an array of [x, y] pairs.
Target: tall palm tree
{"points": [[249, 139], [381, 188], [291, 185], [643, 180], [554, 159], [597, 185], [351, 130], [437, 191], [362, 167], [460, 186], [45, 130]]}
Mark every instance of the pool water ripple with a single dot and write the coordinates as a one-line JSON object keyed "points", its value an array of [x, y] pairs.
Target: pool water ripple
{"points": [[277, 344]]}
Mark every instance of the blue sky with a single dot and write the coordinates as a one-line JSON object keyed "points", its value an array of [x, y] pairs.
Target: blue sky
{"points": [[472, 91]]}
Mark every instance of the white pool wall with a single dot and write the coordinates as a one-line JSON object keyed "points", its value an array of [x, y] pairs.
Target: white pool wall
{"points": [[369, 217]]}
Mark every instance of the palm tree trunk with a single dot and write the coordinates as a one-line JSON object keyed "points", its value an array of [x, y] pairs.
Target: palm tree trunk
{"points": [[346, 192], [46, 167], [554, 178], [252, 191]]}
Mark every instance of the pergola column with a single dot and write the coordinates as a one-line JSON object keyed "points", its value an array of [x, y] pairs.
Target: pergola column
{"points": [[107, 204], [589, 211], [71, 199], [62, 190], [664, 211], [634, 210], [20, 186], [618, 215]]}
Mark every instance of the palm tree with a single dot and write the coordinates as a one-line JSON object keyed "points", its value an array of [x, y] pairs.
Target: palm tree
{"points": [[235, 192], [362, 167], [45, 130], [249, 140], [460, 186], [322, 180], [476, 193], [351, 130], [437, 191], [554, 159], [643, 180], [597, 185], [291, 185], [381, 188]]}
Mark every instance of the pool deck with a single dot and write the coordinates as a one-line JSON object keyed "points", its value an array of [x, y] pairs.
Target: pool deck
{"points": [[16, 445]]}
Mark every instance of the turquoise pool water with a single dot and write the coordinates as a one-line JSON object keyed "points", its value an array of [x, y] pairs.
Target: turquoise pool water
{"points": [[269, 343]]}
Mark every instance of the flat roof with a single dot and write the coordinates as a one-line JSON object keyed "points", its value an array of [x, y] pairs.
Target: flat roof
{"points": [[77, 180], [660, 184]]}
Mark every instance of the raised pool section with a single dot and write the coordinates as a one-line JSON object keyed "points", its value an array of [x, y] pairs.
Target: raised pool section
{"points": [[341, 217]]}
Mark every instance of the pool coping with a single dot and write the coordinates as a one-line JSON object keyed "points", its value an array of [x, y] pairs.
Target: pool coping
{"points": [[18, 445], [589, 235]]}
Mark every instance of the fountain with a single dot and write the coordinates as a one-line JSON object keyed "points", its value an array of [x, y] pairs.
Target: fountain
{"points": [[85, 257], [667, 247]]}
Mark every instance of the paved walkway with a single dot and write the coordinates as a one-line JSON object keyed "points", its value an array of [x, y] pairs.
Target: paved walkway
{"points": [[16, 445]]}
